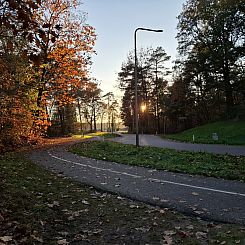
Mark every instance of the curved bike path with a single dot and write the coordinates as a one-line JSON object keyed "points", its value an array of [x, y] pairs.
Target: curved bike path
{"points": [[156, 141], [208, 198]]}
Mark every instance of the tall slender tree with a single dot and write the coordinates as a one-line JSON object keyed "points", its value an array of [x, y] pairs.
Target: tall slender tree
{"points": [[151, 85], [157, 60]]}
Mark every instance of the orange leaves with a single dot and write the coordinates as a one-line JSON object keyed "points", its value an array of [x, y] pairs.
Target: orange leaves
{"points": [[57, 46], [41, 123], [89, 33], [15, 121], [68, 67], [16, 93]]}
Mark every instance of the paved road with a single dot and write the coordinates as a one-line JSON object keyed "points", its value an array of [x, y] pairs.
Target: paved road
{"points": [[208, 198], [156, 141]]}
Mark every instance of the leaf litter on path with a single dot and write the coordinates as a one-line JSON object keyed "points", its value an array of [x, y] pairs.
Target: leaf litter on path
{"points": [[76, 215]]}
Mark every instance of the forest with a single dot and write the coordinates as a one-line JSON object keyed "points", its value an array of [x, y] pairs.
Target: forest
{"points": [[45, 56], [207, 81]]}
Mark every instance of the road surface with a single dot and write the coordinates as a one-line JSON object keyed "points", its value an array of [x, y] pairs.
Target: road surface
{"points": [[153, 140], [208, 198]]}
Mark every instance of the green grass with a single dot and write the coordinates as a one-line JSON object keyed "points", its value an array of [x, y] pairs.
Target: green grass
{"points": [[110, 136], [221, 166], [39, 207], [229, 132], [105, 135]]}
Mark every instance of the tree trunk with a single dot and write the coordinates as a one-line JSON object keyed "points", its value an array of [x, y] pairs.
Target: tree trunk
{"points": [[112, 123], [157, 103], [91, 123], [80, 115], [101, 122], [61, 116], [94, 118], [228, 89]]}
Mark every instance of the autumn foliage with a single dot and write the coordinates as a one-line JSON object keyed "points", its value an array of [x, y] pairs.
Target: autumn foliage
{"points": [[45, 49]]}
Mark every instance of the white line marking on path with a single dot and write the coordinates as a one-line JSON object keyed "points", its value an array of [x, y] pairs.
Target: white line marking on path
{"points": [[96, 168], [149, 179], [197, 187]]}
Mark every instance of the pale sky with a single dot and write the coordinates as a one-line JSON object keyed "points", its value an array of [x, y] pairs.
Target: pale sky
{"points": [[115, 22]]}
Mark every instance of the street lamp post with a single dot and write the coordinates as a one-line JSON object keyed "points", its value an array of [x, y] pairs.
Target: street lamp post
{"points": [[136, 81]]}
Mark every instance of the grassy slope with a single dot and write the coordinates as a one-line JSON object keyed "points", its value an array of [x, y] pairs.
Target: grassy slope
{"points": [[229, 132], [39, 207], [222, 166]]}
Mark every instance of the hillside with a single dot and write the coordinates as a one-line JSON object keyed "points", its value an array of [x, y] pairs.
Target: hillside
{"points": [[228, 132]]}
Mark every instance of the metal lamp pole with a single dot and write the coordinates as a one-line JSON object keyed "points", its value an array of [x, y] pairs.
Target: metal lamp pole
{"points": [[136, 81]]}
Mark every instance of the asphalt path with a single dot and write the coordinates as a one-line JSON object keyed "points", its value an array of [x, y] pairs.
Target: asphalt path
{"points": [[208, 198], [153, 140]]}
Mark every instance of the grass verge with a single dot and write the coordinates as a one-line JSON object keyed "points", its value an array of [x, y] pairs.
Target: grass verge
{"points": [[39, 207], [104, 135], [220, 166], [229, 132]]}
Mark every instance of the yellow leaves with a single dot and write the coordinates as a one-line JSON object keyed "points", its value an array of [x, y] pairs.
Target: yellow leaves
{"points": [[43, 66]]}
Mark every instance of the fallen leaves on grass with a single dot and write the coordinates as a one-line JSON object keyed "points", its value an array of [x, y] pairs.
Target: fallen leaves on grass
{"points": [[201, 235], [1, 218], [6, 238], [77, 213], [39, 239], [85, 202], [55, 203], [62, 242], [184, 234], [168, 240]]}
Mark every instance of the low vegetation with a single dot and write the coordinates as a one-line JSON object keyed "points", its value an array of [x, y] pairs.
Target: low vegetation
{"points": [[221, 166], [102, 135], [39, 207], [228, 132]]}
